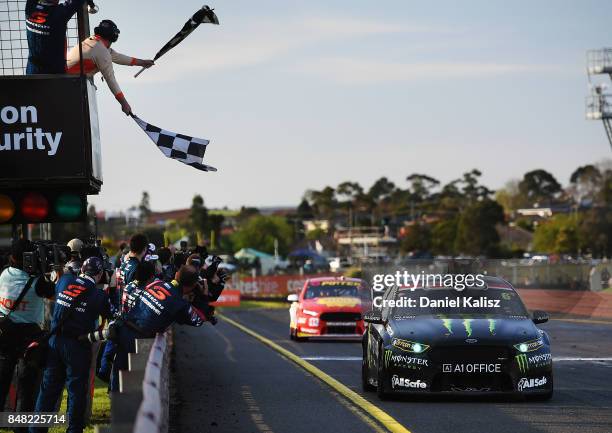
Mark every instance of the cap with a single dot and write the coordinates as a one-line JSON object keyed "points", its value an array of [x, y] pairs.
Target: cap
{"points": [[75, 245], [92, 266]]}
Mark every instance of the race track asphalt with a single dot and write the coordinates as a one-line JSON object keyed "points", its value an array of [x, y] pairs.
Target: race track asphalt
{"points": [[228, 381]]}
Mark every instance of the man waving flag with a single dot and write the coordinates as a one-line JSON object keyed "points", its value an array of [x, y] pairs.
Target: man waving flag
{"points": [[183, 148], [204, 15]]}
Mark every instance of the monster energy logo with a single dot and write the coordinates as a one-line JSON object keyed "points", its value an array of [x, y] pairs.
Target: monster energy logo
{"points": [[467, 323], [522, 362], [492, 326], [388, 354], [448, 325]]}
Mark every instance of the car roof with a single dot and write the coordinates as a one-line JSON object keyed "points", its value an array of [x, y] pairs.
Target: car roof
{"points": [[332, 278], [491, 282]]}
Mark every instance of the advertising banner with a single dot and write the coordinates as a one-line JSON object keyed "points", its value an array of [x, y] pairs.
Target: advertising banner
{"points": [[276, 286], [49, 132], [229, 298]]}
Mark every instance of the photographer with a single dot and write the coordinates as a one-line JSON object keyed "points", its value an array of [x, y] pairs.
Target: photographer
{"points": [[153, 307], [211, 283], [79, 303], [124, 276], [168, 268], [21, 319]]}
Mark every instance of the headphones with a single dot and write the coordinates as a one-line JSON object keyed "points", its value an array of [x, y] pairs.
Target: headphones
{"points": [[108, 30]]}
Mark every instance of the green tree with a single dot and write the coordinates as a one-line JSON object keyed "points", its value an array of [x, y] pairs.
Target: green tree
{"points": [[476, 230], [585, 183], [198, 217], [417, 239], [539, 186], [260, 231], [558, 235], [145, 206], [323, 202], [421, 186], [443, 236]]}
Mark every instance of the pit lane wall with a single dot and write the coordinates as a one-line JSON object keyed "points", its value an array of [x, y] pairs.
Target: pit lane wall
{"points": [[142, 403]]}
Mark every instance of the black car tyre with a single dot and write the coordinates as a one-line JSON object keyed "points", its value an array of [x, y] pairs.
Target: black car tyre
{"points": [[381, 376], [365, 385]]}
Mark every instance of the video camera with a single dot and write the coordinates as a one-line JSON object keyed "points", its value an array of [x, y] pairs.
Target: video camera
{"points": [[46, 257]]}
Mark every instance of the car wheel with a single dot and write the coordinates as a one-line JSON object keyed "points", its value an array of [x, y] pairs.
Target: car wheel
{"points": [[365, 385], [291, 334], [381, 378]]}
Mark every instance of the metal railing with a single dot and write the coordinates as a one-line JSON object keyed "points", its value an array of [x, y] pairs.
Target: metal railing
{"points": [[13, 38], [599, 61]]}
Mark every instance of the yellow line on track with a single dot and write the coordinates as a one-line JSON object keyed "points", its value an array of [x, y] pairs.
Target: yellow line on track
{"points": [[370, 409]]}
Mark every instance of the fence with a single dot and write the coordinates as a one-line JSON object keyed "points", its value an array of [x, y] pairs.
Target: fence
{"points": [[142, 403], [13, 40]]}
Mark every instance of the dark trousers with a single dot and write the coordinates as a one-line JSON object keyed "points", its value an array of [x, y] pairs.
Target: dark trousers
{"points": [[28, 380], [68, 362]]}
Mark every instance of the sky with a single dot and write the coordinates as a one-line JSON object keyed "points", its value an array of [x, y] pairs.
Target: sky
{"points": [[297, 95]]}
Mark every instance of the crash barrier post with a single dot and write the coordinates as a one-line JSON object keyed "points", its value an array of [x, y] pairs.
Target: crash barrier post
{"points": [[142, 402]]}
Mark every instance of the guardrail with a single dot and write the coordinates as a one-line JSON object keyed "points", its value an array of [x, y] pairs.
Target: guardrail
{"points": [[142, 403]]}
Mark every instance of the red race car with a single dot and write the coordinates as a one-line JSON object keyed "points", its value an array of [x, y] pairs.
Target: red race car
{"points": [[329, 307]]}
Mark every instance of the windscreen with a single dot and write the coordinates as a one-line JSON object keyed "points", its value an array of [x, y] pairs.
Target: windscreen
{"points": [[435, 302], [328, 289]]}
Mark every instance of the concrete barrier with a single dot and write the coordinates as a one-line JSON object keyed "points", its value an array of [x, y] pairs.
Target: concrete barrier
{"points": [[142, 402]]}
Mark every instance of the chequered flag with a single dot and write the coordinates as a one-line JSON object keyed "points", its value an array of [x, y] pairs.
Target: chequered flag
{"points": [[188, 150]]}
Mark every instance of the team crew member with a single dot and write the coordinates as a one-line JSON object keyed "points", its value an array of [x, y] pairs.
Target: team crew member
{"points": [[98, 56], [46, 22], [79, 303], [125, 275], [153, 307], [23, 324]]}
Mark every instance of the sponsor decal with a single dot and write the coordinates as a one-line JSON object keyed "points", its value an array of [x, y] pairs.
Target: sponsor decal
{"points": [[448, 325], [409, 346], [340, 283], [404, 361], [530, 346], [492, 324], [522, 362], [339, 302], [471, 340], [313, 322], [528, 383], [30, 138], [526, 362], [402, 382], [403, 317], [471, 368], [467, 323]]}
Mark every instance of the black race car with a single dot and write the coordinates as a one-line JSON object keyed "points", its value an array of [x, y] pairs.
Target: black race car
{"points": [[477, 341]]}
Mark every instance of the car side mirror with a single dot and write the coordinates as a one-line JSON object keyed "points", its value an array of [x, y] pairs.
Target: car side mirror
{"points": [[374, 317], [292, 298], [540, 317]]}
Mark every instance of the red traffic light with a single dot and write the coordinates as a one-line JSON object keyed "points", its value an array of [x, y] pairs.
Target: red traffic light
{"points": [[34, 207]]}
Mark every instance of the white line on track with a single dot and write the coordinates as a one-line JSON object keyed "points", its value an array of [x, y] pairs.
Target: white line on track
{"points": [[358, 358]]}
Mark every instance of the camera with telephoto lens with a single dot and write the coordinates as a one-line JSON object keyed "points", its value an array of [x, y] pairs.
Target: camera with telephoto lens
{"points": [[108, 333], [45, 258]]}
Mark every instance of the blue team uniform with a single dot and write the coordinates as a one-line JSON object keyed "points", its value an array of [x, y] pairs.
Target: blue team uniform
{"points": [[152, 309], [69, 359], [46, 31], [125, 276]]}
